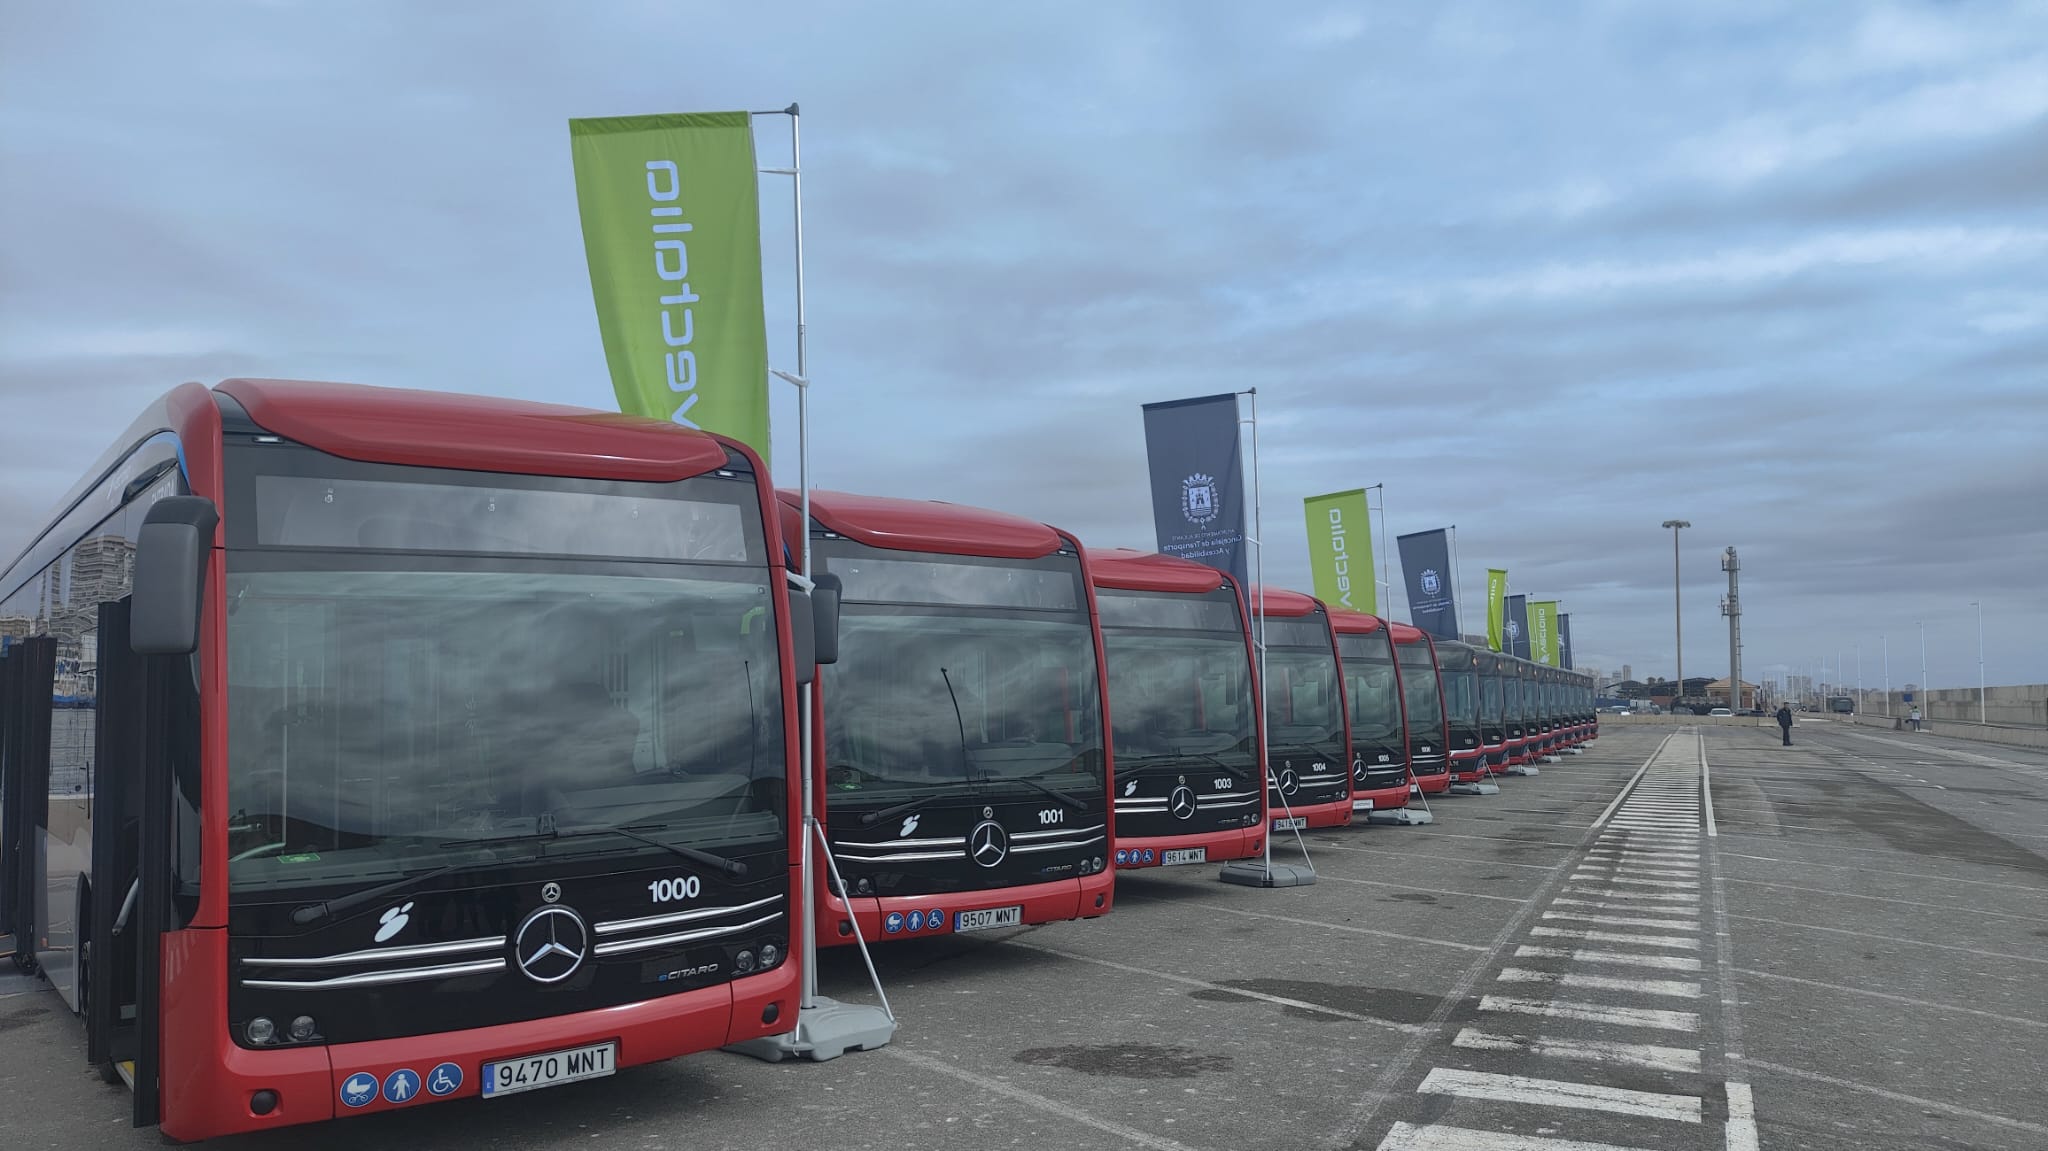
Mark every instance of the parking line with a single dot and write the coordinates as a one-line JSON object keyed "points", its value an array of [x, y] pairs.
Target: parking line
{"points": [[1322, 845], [1681, 1060], [1413, 887], [2024, 888], [1588, 888], [1065, 1111], [1899, 1097], [1888, 899], [1893, 939], [1908, 1000], [1561, 1093], [1651, 1017], [1629, 920], [1741, 1118], [1588, 873], [1343, 927]]}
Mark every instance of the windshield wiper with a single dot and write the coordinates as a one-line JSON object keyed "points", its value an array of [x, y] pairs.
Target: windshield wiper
{"points": [[905, 808], [732, 868], [1073, 801], [315, 912]]}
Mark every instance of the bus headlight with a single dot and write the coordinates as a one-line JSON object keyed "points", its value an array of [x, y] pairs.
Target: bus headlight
{"points": [[260, 1031], [301, 1029], [864, 886], [770, 955], [743, 962]]}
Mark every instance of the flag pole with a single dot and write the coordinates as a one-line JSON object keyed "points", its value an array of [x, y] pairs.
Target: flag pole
{"points": [[824, 1028]]}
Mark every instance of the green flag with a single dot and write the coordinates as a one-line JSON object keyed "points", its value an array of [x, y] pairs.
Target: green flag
{"points": [[1543, 632], [672, 231], [1496, 607], [1340, 550]]}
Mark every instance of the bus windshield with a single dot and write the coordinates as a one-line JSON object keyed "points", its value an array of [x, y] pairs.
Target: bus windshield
{"points": [[1490, 697], [959, 688], [1301, 689], [1369, 687], [1419, 690], [1461, 696], [1179, 680], [383, 718]]}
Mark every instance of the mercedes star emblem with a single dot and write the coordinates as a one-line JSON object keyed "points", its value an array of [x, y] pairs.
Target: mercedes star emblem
{"points": [[1182, 803], [1289, 782], [988, 843], [549, 946], [1358, 768]]}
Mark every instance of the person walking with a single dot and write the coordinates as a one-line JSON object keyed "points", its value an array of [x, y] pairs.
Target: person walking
{"points": [[1785, 723], [1916, 719]]}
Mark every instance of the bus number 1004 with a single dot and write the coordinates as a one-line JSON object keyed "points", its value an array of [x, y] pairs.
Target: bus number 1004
{"points": [[681, 887]]}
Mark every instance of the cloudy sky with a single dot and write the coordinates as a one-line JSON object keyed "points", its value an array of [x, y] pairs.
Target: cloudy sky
{"points": [[1553, 273]]}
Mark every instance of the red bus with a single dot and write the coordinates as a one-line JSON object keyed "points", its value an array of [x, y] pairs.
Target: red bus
{"points": [[417, 747], [1422, 695], [1458, 669], [1181, 691], [1308, 733], [1515, 674], [1372, 696], [963, 772], [1494, 723]]}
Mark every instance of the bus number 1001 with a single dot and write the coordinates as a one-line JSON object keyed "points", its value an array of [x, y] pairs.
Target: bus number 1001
{"points": [[681, 887]]}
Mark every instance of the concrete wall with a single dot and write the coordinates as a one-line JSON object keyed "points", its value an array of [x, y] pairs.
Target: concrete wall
{"points": [[2009, 736], [2022, 706]]}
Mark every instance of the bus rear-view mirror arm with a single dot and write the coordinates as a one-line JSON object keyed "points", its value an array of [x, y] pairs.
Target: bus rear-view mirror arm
{"points": [[825, 616], [171, 553]]}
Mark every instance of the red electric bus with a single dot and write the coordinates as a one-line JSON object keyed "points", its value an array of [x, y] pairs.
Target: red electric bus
{"points": [[1372, 696], [1493, 721], [402, 747], [1179, 654], [1308, 733], [963, 770], [1514, 682], [1422, 696], [1458, 667]]}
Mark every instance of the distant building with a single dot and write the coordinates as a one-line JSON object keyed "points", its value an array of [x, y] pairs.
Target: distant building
{"points": [[1627, 672]]}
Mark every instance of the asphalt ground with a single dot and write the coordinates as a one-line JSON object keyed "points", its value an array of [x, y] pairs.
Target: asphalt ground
{"points": [[1853, 954]]}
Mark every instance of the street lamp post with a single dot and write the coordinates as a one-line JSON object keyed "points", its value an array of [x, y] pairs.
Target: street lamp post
{"points": [[1926, 693], [1887, 642], [1677, 610], [1979, 605]]}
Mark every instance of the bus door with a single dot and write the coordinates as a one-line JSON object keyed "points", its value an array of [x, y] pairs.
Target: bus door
{"points": [[108, 998], [25, 733]]}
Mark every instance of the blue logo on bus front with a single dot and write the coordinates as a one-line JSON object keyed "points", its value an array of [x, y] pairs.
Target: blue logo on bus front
{"points": [[359, 1090]]}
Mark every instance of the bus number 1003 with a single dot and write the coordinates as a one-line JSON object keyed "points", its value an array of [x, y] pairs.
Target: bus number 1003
{"points": [[681, 887]]}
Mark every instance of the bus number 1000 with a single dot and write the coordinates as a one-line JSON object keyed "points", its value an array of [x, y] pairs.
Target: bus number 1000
{"points": [[670, 890]]}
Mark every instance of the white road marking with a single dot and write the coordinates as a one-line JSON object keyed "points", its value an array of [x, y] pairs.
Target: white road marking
{"points": [[1130, 1135], [1650, 870], [1707, 792], [1590, 875], [1409, 1137], [1613, 905], [1190, 981], [1676, 942], [1672, 988], [2025, 888], [1900, 1097], [1651, 1017], [1624, 958], [1413, 887], [1682, 1060], [1893, 939], [1343, 927], [1326, 845], [1633, 781], [1888, 899], [1626, 920], [1908, 1000], [1561, 1093], [1639, 896], [1741, 1128]]}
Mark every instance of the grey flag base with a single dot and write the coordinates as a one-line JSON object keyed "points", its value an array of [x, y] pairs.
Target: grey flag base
{"points": [[1521, 769], [825, 1030], [1260, 873], [1402, 817], [1475, 789]]}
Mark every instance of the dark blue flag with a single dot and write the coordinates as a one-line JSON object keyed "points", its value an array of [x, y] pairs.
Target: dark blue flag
{"points": [[1426, 562], [1518, 626], [1564, 638], [1198, 482]]}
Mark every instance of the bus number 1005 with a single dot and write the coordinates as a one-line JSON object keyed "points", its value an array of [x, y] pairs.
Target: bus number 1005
{"points": [[681, 887]]}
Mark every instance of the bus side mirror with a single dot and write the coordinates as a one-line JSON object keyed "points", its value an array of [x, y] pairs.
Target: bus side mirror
{"points": [[803, 637], [171, 552], [825, 611]]}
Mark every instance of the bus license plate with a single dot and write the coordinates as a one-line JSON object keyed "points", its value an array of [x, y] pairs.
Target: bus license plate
{"points": [[989, 917], [1361, 805], [511, 1076], [1290, 823], [1184, 855]]}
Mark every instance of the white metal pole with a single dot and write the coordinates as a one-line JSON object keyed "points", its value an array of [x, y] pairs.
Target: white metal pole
{"points": [[1386, 566], [1886, 640], [1980, 659], [803, 481], [1259, 581], [1926, 697], [1458, 576]]}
